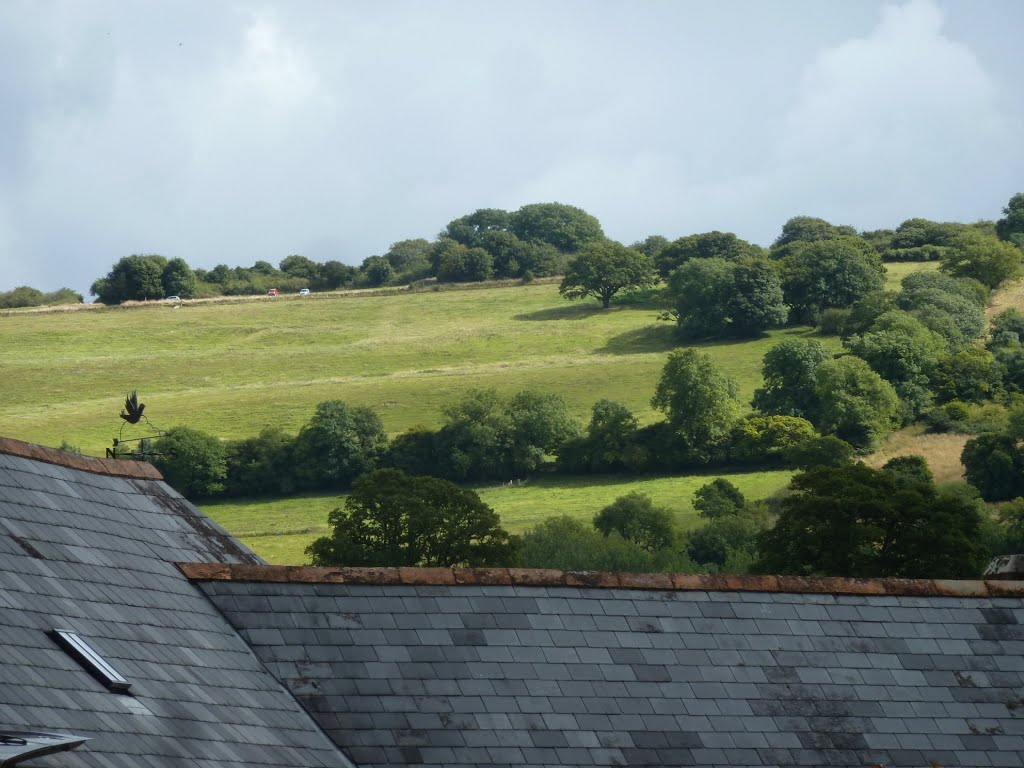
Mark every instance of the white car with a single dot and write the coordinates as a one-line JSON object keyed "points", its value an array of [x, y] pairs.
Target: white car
{"points": [[304, 292], [176, 299]]}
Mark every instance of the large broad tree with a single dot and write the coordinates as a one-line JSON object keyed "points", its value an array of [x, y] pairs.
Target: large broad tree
{"points": [[830, 273], [377, 271], [707, 245], [604, 269], [715, 297], [856, 404], [338, 444], [636, 519], [790, 379], [566, 227], [904, 352], [407, 254], [132, 278], [698, 399], [393, 519], [471, 228], [192, 462], [867, 523], [300, 266], [994, 464], [538, 424], [985, 258], [808, 229], [178, 279]]}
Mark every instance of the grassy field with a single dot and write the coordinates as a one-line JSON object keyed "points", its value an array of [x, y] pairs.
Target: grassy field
{"points": [[280, 529], [232, 369], [895, 271]]}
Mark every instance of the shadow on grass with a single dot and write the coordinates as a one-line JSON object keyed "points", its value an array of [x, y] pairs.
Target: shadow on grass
{"points": [[651, 338], [567, 312]]}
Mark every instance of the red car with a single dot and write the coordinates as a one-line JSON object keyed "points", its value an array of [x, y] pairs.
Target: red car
{"points": [[272, 292]]}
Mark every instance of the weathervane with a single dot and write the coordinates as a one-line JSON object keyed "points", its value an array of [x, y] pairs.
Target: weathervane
{"points": [[132, 413]]}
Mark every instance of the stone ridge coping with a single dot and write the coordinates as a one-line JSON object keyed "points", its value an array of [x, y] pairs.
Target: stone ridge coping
{"points": [[550, 578], [139, 470]]}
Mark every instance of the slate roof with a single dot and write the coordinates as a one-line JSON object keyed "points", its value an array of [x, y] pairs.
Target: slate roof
{"points": [[89, 545], [233, 662], [548, 669]]}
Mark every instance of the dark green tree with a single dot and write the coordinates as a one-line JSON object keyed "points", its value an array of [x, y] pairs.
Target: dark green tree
{"points": [[698, 399], [904, 352], [971, 374], [22, 296], [868, 523], [392, 519], [570, 545], [300, 266], [769, 440], [825, 451], [719, 498], [994, 464], [609, 444], [984, 258], [857, 405], [510, 255], [1011, 226], [603, 269], [459, 264], [651, 246], [809, 229], [472, 443], [192, 462], [335, 275], [538, 424], [178, 279], [715, 297], [377, 271], [636, 519], [406, 254], [470, 230], [829, 273], [564, 226], [708, 245], [338, 444], [725, 537], [133, 278], [790, 384], [261, 465]]}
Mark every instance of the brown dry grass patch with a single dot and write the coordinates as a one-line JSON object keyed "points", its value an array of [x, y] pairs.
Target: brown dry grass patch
{"points": [[942, 452]]}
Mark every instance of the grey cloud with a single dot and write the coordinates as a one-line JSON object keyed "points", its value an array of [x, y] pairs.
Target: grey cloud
{"points": [[230, 133]]}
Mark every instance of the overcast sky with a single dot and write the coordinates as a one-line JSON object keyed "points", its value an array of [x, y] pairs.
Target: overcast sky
{"points": [[229, 132]]}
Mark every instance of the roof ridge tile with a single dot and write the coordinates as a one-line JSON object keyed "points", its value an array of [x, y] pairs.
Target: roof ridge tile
{"points": [[139, 470], [680, 582]]}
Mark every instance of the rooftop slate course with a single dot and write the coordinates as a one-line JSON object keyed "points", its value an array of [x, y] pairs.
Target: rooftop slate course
{"points": [[449, 667], [233, 662], [90, 547]]}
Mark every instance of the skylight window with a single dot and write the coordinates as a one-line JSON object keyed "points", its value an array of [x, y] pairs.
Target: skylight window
{"points": [[91, 660]]}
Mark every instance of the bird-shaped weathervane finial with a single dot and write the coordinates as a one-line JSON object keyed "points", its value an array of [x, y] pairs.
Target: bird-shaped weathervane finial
{"points": [[132, 411]]}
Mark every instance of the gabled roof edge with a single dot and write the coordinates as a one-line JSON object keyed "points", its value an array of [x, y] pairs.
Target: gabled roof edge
{"points": [[548, 578], [139, 470]]}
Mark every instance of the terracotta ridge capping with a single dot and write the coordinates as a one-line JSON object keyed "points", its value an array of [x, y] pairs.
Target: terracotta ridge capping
{"points": [[298, 574], [139, 470]]}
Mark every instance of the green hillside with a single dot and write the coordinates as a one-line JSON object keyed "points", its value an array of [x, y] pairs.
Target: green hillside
{"points": [[232, 369]]}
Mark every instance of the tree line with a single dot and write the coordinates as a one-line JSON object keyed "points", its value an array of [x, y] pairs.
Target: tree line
{"points": [[545, 239], [851, 521]]}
